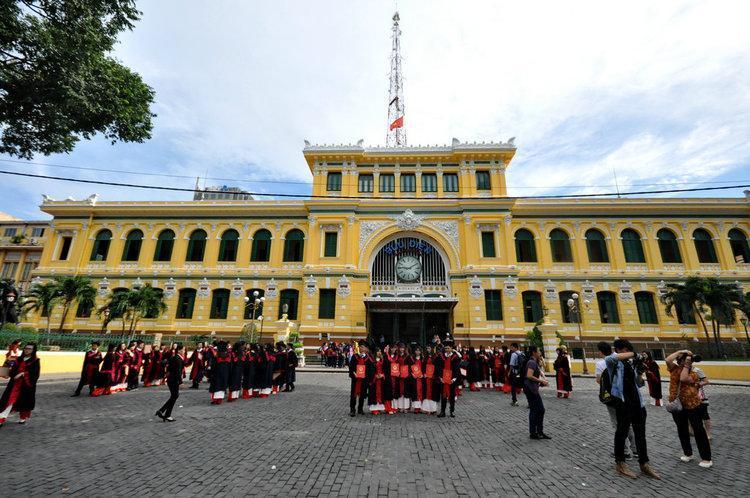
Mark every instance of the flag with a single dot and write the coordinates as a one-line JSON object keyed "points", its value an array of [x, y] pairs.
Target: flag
{"points": [[399, 123]]}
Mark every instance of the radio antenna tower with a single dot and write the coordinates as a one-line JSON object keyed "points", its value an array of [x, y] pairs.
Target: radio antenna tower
{"points": [[396, 133]]}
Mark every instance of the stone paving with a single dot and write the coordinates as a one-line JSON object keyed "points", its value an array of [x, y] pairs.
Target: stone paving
{"points": [[304, 443]]}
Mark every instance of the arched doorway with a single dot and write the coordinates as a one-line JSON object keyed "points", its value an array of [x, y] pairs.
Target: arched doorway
{"points": [[410, 298]]}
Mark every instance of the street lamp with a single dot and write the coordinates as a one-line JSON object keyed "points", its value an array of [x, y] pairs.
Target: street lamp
{"points": [[744, 322], [260, 339], [574, 307], [256, 304], [105, 321]]}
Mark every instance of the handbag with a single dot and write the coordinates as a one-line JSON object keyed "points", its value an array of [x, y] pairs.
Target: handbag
{"points": [[4, 372], [676, 405]]}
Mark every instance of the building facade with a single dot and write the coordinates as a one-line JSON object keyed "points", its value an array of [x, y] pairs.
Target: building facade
{"points": [[21, 244], [404, 243]]}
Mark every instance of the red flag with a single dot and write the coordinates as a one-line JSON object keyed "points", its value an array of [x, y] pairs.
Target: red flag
{"points": [[399, 123]]}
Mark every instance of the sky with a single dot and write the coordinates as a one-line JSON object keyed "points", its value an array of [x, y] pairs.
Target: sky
{"points": [[656, 93]]}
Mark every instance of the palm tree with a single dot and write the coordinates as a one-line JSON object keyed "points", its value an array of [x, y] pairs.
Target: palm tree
{"points": [[145, 302], [744, 308], [687, 295], [117, 306], [42, 298], [74, 288], [723, 300]]}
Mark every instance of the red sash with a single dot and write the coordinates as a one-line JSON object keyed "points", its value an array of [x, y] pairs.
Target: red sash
{"points": [[447, 376], [378, 383], [359, 367], [395, 370], [416, 370], [360, 373], [429, 373], [404, 370]]}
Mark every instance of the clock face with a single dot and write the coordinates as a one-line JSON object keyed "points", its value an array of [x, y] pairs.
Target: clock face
{"points": [[408, 268]]}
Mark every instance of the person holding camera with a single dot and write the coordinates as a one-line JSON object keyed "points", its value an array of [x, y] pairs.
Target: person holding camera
{"points": [[630, 410], [683, 386]]}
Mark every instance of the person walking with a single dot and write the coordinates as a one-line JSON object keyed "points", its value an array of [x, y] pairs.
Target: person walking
{"points": [[533, 380], [515, 376], [20, 393], [175, 366], [563, 378], [630, 409], [90, 369], [653, 378], [683, 385]]}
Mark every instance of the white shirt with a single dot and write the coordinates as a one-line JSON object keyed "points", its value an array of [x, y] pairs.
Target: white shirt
{"points": [[600, 367]]}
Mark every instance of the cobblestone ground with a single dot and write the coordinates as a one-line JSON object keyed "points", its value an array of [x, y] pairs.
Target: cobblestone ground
{"points": [[304, 443]]}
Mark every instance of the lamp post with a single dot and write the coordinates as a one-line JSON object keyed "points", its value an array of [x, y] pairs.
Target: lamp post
{"points": [[256, 303], [744, 322], [260, 339], [574, 307], [106, 320]]}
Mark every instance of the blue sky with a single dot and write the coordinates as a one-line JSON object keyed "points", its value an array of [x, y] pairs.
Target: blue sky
{"points": [[657, 91]]}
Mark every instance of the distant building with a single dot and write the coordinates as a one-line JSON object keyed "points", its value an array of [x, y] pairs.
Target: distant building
{"points": [[222, 193], [21, 244]]}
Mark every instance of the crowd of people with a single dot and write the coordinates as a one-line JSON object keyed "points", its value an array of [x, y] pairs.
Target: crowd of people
{"points": [[241, 370]]}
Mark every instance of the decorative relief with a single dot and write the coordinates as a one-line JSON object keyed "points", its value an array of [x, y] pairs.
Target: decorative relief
{"points": [[510, 287], [587, 289], [272, 289], [449, 228], [367, 228], [475, 287], [330, 228], [311, 286], [170, 288], [238, 288], [344, 288], [204, 288], [626, 291], [103, 287], [408, 220], [550, 290]]}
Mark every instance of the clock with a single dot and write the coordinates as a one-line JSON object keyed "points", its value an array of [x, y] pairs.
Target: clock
{"points": [[408, 268]]}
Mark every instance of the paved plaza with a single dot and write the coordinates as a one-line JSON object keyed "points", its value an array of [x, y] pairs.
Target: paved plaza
{"points": [[304, 443]]}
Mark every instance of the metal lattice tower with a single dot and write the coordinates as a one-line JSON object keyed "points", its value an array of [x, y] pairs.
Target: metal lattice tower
{"points": [[396, 132]]}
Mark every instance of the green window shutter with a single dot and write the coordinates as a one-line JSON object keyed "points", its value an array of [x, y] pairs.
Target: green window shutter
{"points": [[331, 244], [289, 297], [644, 302], [483, 180], [488, 244], [607, 307], [327, 304], [532, 306], [185, 304], [365, 183], [333, 183], [408, 182], [632, 247], [429, 182], [493, 305], [387, 182], [450, 182]]}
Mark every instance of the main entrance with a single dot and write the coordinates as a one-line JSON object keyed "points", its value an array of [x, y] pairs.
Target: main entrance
{"points": [[410, 320]]}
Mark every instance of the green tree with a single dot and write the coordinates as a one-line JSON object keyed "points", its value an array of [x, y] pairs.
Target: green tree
{"points": [[744, 308], [723, 299], [688, 295], [58, 81], [74, 289], [42, 298], [116, 307], [132, 305], [534, 337]]}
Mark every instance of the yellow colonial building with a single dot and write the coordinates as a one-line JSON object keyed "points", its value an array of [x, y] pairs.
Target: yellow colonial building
{"points": [[406, 242]]}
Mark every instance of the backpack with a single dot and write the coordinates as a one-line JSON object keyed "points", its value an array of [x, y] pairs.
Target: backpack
{"points": [[605, 389], [520, 369]]}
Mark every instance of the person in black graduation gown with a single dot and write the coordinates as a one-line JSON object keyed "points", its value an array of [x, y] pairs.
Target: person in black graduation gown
{"points": [[361, 373], [291, 368], [447, 372], [20, 393], [221, 365], [247, 372], [235, 375], [90, 369], [175, 367]]}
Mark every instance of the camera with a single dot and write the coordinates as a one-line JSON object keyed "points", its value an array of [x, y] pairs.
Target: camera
{"points": [[697, 358], [638, 362]]}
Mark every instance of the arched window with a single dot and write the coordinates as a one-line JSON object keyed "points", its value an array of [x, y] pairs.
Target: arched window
{"points": [[525, 247], [185, 304], [228, 246], [607, 307], [644, 302], [668, 247], [132, 249], [294, 245], [249, 305], [289, 297], [196, 245], [704, 246], [632, 246], [219, 304], [569, 316], [261, 246], [596, 246], [740, 248], [532, 306], [164, 246], [101, 245], [559, 243]]}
